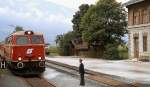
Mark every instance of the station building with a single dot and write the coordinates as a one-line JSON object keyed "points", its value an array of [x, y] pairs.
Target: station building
{"points": [[138, 28]]}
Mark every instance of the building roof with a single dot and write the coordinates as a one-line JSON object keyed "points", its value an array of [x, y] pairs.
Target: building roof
{"points": [[131, 2], [82, 46], [23, 32]]}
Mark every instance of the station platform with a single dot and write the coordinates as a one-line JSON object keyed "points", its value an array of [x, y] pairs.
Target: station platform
{"points": [[130, 70], [7, 79]]}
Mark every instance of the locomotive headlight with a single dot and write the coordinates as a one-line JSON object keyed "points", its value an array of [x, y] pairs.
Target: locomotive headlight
{"points": [[29, 32], [19, 58], [39, 58]]}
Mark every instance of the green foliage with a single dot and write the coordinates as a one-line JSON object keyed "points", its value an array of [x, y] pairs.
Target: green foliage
{"points": [[123, 51], [104, 23], [52, 51], [47, 51], [111, 52], [18, 28], [115, 52], [77, 19], [65, 43]]}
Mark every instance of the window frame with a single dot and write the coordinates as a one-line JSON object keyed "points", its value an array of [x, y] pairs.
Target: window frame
{"points": [[41, 38], [28, 40], [145, 16]]}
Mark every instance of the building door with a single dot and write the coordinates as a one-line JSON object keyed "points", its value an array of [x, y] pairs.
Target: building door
{"points": [[136, 47]]}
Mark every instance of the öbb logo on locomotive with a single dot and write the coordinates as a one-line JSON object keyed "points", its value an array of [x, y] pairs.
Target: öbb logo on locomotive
{"points": [[29, 51], [24, 52]]}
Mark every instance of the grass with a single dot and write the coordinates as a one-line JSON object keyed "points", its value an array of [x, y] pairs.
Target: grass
{"points": [[53, 50], [123, 52]]}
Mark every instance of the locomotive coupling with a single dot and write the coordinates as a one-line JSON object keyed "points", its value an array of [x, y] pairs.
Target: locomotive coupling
{"points": [[20, 65]]}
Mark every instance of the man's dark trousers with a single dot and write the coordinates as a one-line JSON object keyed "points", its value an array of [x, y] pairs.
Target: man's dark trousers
{"points": [[82, 82]]}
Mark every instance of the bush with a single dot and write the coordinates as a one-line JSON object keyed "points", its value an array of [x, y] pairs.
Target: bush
{"points": [[123, 52], [115, 52], [111, 52], [47, 51], [52, 51]]}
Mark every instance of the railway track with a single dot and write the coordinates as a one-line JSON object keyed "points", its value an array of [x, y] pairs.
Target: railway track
{"points": [[99, 77], [38, 82]]}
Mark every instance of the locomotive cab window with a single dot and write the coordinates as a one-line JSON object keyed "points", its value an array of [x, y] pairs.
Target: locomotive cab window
{"points": [[21, 40], [37, 40]]}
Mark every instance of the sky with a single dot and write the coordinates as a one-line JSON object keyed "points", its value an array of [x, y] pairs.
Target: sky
{"points": [[51, 17]]}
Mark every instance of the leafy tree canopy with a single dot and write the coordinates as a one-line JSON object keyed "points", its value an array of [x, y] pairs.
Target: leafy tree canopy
{"points": [[104, 23], [65, 42], [18, 28], [77, 19], [101, 25]]}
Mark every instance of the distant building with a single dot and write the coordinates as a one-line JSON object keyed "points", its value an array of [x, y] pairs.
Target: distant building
{"points": [[83, 49], [80, 47], [138, 27]]}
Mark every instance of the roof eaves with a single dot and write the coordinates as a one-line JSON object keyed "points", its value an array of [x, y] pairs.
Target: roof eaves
{"points": [[131, 2]]}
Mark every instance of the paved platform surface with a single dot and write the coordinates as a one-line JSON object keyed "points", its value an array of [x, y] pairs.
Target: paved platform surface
{"points": [[9, 80], [131, 70], [62, 79]]}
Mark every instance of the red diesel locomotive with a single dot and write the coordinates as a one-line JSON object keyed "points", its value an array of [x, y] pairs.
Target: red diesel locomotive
{"points": [[24, 52]]}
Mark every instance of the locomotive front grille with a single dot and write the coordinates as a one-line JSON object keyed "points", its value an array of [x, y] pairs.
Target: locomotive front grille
{"points": [[33, 64], [29, 65]]}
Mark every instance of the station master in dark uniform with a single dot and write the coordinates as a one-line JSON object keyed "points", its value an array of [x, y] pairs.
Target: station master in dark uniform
{"points": [[81, 72]]}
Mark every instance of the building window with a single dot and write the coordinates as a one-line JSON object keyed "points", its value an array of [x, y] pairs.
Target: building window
{"points": [[145, 16], [144, 43], [136, 17]]}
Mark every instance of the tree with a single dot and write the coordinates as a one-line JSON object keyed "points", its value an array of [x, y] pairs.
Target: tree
{"points": [[65, 43], [18, 28], [77, 19], [103, 24]]}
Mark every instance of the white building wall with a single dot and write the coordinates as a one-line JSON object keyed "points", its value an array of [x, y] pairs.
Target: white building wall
{"points": [[129, 44], [148, 42], [141, 42], [138, 29], [131, 47]]}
